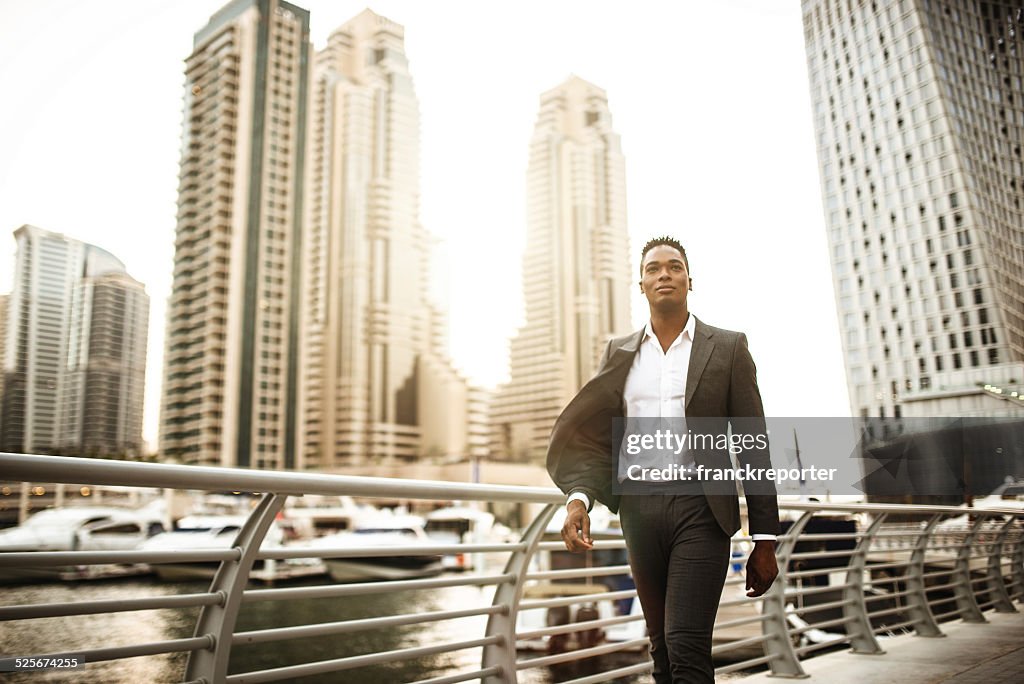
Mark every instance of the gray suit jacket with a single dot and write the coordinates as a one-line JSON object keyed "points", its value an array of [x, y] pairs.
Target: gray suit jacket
{"points": [[721, 384]]}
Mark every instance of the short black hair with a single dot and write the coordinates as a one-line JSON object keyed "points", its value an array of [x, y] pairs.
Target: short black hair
{"points": [[663, 240]]}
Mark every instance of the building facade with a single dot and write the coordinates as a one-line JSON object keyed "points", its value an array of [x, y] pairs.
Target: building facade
{"points": [[101, 403], [576, 273], [919, 121], [51, 310], [230, 366], [376, 381]]}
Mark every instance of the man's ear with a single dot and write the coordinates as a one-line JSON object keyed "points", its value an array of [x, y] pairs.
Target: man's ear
{"points": [[641, 284], [691, 283]]}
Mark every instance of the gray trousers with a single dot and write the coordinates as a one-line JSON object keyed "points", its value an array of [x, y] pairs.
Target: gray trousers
{"points": [[679, 556]]}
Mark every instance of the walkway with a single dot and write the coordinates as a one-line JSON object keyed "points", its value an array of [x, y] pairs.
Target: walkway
{"points": [[991, 653]]}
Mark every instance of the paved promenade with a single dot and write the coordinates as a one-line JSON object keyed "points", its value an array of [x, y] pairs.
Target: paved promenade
{"points": [[991, 653]]}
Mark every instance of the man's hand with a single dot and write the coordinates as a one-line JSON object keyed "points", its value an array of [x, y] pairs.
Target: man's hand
{"points": [[762, 569], [576, 530]]}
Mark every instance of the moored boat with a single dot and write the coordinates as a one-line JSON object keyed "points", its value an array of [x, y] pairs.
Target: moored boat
{"points": [[72, 529], [401, 532], [202, 532]]}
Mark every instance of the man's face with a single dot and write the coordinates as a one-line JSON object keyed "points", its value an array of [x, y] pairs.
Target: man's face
{"points": [[664, 278]]}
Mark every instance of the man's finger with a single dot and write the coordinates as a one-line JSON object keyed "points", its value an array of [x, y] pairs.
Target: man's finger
{"points": [[586, 529]]}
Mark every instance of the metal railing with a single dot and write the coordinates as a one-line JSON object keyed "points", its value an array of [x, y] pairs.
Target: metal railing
{"points": [[835, 589]]}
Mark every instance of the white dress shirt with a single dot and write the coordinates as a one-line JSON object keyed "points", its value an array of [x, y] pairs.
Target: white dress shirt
{"points": [[656, 384]]}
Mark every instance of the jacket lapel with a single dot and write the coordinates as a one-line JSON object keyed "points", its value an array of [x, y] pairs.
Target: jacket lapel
{"points": [[613, 376], [700, 353]]}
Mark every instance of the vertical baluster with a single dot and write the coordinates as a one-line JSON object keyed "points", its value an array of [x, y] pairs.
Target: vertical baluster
{"points": [[509, 595], [775, 626], [218, 620], [918, 609], [862, 636], [966, 602], [996, 584]]}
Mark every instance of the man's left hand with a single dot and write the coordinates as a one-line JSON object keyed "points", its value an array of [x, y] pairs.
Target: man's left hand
{"points": [[762, 569]]}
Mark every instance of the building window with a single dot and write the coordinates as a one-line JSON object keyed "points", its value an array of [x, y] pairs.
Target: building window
{"points": [[993, 356]]}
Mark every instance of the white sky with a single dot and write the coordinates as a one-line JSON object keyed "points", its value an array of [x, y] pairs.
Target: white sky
{"points": [[710, 98]]}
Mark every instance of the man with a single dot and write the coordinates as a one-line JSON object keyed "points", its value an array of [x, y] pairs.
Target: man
{"points": [[679, 544]]}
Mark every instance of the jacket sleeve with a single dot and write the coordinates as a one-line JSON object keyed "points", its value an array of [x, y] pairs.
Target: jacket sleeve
{"points": [[579, 451], [747, 417]]}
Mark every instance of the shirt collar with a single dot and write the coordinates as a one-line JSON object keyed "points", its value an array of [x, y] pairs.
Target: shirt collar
{"points": [[688, 330]]}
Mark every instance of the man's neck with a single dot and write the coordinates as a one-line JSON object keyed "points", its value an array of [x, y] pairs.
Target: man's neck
{"points": [[668, 325]]}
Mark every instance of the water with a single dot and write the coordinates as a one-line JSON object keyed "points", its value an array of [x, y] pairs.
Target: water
{"points": [[48, 635]]}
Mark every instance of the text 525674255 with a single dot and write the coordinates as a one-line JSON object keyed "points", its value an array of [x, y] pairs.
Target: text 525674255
{"points": [[41, 663]]}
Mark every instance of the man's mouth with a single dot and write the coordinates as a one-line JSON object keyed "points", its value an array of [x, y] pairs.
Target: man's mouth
{"points": [[665, 288]]}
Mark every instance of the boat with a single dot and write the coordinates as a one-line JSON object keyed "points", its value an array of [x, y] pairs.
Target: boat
{"points": [[123, 532], [464, 525], [313, 516], [380, 532], [205, 532], [75, 528]]}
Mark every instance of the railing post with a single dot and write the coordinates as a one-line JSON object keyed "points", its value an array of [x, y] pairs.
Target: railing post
{"points": [[218, 620], [917, 596], [1017, 568], [966, 602], [996, 584], [508, 594], [862, 636], [775, 627]]}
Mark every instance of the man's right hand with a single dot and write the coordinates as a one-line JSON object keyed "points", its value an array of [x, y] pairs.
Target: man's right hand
{"points": [[576, 530]]}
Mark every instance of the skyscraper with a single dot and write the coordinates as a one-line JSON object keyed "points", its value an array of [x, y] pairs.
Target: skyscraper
{"points": [[377, 384], [101, 401], [230, 383], [576, 274], [919, 118], [51, 314]]}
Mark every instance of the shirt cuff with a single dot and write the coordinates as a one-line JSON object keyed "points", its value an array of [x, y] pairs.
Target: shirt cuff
{"points": [[763, 537], [579, 496]]}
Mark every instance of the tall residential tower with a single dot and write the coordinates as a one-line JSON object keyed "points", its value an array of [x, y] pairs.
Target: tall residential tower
{"points": [[377, 385], [576, 273], [919, 118], [230, 367], [75, 353], [101, 403]]}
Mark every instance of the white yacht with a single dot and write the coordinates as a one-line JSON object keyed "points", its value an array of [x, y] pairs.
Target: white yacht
{"points": [[464, 525], [71, 529], [123, 532], [380, 532], [312, 516], [202, 532]]}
